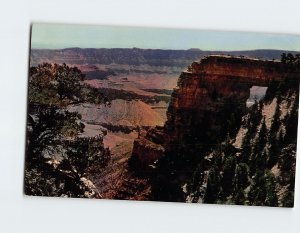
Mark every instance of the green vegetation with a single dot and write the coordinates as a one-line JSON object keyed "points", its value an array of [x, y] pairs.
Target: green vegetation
{"points": [[57, 157], [247, 176], [60, 85], [291, 59], [206, 167]]}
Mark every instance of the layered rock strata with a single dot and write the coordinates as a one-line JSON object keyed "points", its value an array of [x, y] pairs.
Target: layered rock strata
{"points": [[208, 103]]}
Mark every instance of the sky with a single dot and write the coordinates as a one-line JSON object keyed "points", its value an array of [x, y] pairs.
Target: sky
{"points": [[58, 36]]}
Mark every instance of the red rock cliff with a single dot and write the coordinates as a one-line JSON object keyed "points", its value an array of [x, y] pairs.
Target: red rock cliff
{"points": [[208, 93]]}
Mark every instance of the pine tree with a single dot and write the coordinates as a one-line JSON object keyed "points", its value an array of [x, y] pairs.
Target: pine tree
{"points": [[283, 58], [288, 199], [241, 178], [262, 136], [273, 140], [275, 122], [257, 193], [228, 174], [246, 148], [273, 154], [271, 90], [291, 122], [263, 190], [271, 197], [213, 187], [258, 156], [239, 197], [197, 179], [51, 130], [256, 115]]}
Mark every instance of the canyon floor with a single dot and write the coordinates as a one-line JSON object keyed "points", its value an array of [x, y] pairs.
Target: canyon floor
{"points": [[116, 181]]}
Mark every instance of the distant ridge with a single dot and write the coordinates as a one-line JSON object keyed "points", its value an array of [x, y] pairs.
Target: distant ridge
{"points": [[137, 56]]}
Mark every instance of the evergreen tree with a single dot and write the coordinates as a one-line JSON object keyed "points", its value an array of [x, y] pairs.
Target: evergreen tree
{"points": [[287, 158], [246, 148], [213, 188], [257, 193], [271, 90], [275, 122], [254, 119], [273, 153], [262, 190], [197, 178], [232, 124], [258, 156], [283, 58], [273, 139], [67, 81], [291, 122], [228, 175], [241, 178], [288, 199], [271, 197], [239, 197], [82, 153], [262, 135], [56, 158], [290, 58]]}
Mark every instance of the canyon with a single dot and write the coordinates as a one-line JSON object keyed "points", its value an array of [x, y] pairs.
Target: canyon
{"points": [[208, 93], [174, 120]]}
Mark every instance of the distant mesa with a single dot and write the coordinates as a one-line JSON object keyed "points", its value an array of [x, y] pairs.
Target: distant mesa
{"points": [[194, 49]]}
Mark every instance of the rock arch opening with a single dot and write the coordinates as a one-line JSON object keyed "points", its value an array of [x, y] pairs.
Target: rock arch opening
{"points": [[256, 94]]}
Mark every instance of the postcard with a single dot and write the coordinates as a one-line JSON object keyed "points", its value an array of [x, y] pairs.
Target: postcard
{"points": [[161, 114]]}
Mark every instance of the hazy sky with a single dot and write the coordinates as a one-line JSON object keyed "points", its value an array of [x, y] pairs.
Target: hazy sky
{"points": [[56, 36]]}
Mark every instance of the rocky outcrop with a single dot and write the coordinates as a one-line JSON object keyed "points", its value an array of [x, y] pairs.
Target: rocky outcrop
{"points": [[208, 103], [148, 147]]}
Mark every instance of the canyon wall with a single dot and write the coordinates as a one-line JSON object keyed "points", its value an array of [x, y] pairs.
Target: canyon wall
{"points": [[208, 103]]}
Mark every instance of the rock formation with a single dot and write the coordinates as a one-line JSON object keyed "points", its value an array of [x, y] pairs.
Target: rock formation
{"points": [[148, 147], [208, 102]]}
